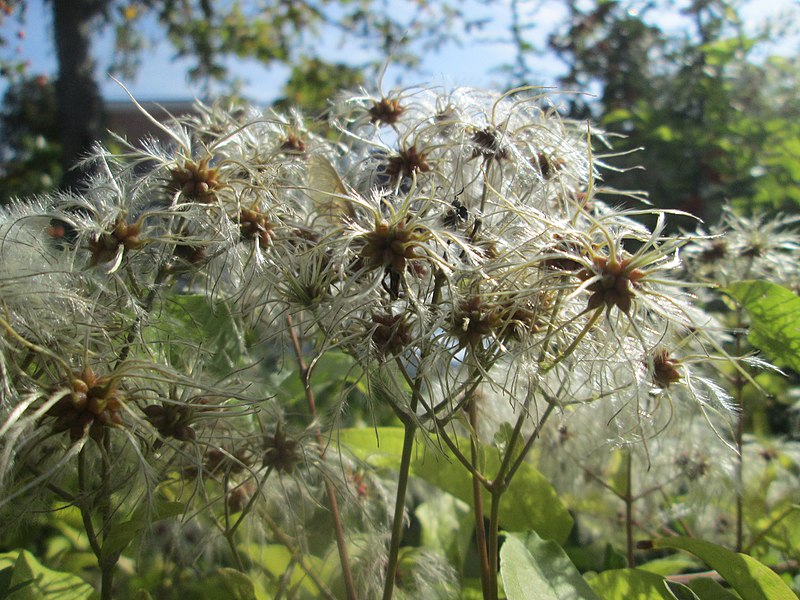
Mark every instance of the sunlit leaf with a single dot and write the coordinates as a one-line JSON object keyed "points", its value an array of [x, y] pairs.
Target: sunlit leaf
{"points": [[530, 503], [750, 578], [534, 568], [31, 580], [775, 315], [446, 526], [708, 589], [631, 584]]}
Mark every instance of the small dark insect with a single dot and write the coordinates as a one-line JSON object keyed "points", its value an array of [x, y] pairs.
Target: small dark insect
{"points": [[456, 215]]}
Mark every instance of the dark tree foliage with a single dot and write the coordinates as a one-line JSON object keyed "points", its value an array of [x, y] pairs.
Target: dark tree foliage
{"points": [[210, 32], [718, 120], [29, 132]]}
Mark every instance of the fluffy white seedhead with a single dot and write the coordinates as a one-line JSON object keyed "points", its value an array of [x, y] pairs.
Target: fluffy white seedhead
{"points": [[458, 245]]}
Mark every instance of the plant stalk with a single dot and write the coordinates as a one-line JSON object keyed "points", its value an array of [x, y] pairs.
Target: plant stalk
{"points": [[477, 497], [341, 543], [399, 505], [629, 499]]}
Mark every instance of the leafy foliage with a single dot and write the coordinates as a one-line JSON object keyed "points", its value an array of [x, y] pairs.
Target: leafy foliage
{"points": [[530, 503], [775, 314], [532, 566], [312, 363], [747, 576]]}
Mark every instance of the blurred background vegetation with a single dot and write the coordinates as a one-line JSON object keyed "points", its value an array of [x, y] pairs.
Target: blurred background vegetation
{"points": [[708, 96], [705, 93]]}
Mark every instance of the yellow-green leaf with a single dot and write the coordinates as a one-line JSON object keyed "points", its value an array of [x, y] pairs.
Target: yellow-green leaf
{"points": [[530, 503], [751, 579], [775, 319]]}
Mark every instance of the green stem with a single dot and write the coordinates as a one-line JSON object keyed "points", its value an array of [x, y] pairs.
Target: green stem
{"points": [[106, 564], [250, 503], [529, 444], [786, 512], [85, 506], [571, 348], [330, 490], [399, 505], [500, 484], [739, 384], [161, 276], [494, 540], [477, 498], [629, 499], [298, 557], [228, 532], [107, 582]]}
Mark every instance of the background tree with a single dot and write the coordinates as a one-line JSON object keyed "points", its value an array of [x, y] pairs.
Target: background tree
{"points": [[29, 132], [717, 116], [208, 32], [715, 112]]}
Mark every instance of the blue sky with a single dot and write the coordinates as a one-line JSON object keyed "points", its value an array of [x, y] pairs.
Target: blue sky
{"points": [[160, 76], [474, 64]]}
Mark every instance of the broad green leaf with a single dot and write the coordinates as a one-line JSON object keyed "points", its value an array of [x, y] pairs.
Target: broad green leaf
{"points": [[446, 527], [471, 589], [616, 116], [664, 133], [5, 580], [190, 317], [534, 568], [781, 527], [675, 563], [530, 503], [751, 579], [680, 591], [630, 584], [277, 559], [595, 556], [708, 589], [235, 585], [333, 372], [224, 583], [33, 581], [122, 534], [775, 315]]}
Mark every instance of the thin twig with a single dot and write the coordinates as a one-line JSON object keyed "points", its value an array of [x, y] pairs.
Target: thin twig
{"points": [[341, 543]]}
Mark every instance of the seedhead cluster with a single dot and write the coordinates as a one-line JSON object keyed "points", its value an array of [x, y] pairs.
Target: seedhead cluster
{"points": [[458, 246]]}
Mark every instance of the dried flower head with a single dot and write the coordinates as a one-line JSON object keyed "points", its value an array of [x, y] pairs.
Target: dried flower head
{"points": [[386, 111], [281, 451], [93, 402], [196, 181]]}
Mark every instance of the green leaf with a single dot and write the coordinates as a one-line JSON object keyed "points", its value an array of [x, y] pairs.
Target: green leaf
{"points": [[530, 503], [775, 315], [668, 565], [680, 591], [190, 317], [446, 527], [277, 559], [534, 568], [33, 581], [5, 581], [751, 579], [631, 584], [235, 585], [471, 589], [708, 589], [122, 534]]}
